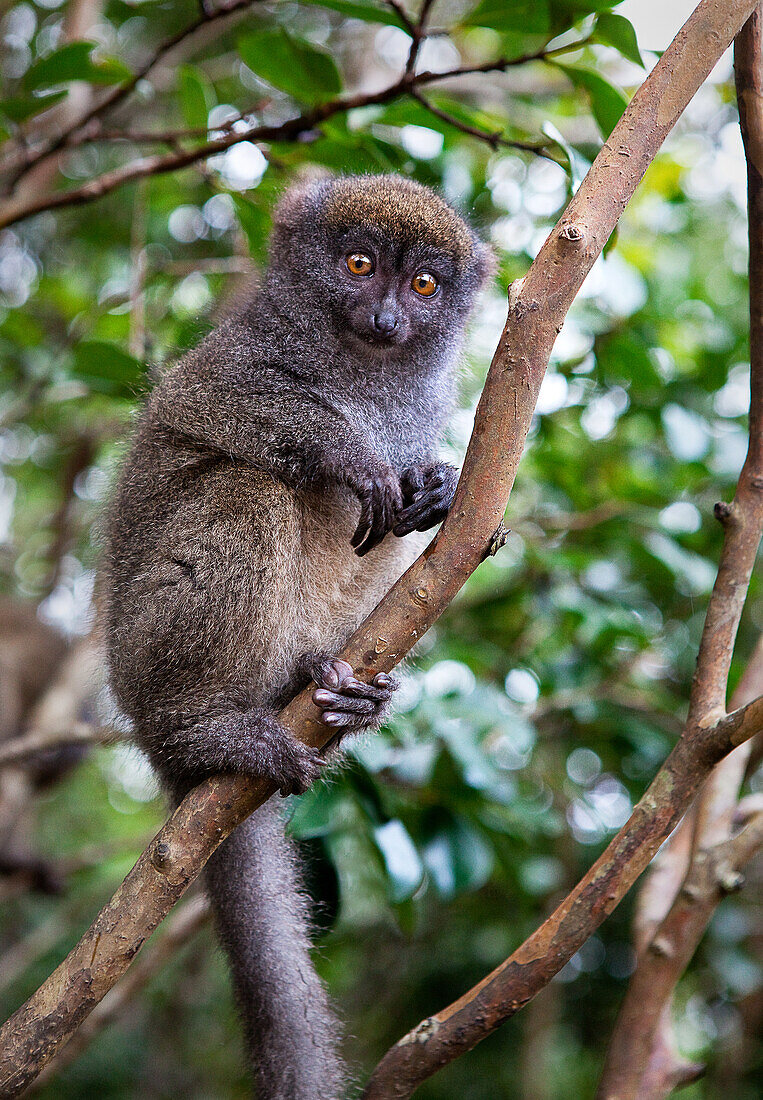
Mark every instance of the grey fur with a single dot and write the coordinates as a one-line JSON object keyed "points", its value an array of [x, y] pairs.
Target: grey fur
{"points": [[230, 575]]}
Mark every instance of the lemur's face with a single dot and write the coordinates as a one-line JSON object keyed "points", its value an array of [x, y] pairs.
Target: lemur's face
{"points": [[394, 266], [386, 295]]}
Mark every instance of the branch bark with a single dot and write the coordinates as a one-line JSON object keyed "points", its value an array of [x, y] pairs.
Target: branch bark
{"points": [[537, 308], [181, 927], [441, 1038]]}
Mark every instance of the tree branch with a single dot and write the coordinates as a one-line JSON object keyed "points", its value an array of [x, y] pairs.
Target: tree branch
{"points": [[494, 138], [32, 156], [14, 209], [537, 308], [19, 749], [185, 923], [636, 1065]]}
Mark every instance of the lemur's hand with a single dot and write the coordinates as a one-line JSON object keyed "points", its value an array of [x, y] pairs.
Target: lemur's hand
{"points": [[378, 490], [427, 495]]}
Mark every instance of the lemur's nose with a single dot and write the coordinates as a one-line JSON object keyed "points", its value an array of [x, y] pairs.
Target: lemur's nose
{"points": [[385, 322]]}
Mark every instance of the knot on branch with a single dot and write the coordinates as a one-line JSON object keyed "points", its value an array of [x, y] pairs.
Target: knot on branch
{"points": [[422, 1033], [725, 513], [662, 947], [572, 232], [160, 857], [729, 879], [498, 541]]}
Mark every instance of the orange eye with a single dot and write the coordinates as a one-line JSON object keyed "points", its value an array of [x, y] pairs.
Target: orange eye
{"points": [[425, 284], [360, 264]]}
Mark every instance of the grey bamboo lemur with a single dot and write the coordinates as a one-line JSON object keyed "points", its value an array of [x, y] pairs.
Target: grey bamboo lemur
{"points": [[261, 513]]}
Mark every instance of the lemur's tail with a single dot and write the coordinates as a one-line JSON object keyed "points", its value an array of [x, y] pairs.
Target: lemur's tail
{"points": [[263, 923]]}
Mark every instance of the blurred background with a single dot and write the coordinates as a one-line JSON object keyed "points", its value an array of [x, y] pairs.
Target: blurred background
{"points": [[536, 711]]}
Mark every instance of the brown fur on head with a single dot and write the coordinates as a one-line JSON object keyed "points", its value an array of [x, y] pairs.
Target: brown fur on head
{"points": [[406, 211]]}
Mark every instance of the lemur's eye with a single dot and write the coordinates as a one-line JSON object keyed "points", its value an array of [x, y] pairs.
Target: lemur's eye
{"points": [[425, 284], [360, 264]]}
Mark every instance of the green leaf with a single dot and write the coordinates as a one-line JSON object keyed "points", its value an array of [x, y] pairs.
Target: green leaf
{"points": [[401, 859], [20, 108], [254, 222], [73, 62], [107, 369], [518, 16], [196, 97], [607, 102], [291, 64], [458, 858], [616, 30], [577, 164], [573, 10], [366, 10]]}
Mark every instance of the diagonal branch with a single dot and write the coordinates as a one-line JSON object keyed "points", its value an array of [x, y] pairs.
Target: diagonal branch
{"points": [[494, 138], [184, 924], [537, 308]]}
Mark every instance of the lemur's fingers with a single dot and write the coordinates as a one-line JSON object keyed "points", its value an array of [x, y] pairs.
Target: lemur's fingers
{"points": [[411, 482], [332, 701], [330, 673], [427, 476], [351, 703], [364, 523], [340, 719], [380, 689], [428, 509], [371, 526], [386, 501]]}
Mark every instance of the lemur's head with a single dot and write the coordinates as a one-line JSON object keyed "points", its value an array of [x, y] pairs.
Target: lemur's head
{"points": [[393, 264]]}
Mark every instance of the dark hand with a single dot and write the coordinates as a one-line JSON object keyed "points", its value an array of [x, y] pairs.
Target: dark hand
{"points": [[428, 491], [381, 499]]}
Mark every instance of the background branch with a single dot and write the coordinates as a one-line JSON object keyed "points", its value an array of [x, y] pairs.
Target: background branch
{"points": [[639, 1062]]}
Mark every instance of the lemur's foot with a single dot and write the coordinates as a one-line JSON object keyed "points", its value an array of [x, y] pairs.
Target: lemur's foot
{"points": [[291, 764], [427, 495], [347, 703]]}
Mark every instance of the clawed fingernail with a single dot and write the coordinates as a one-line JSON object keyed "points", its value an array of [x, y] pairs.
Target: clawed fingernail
{"points": [[330, 718], [322, 696]]}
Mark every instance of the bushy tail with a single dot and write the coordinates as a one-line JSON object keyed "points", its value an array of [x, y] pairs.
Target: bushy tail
{"points": [[263, 923]]}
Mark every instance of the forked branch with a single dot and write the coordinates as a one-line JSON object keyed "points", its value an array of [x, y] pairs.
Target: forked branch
{"points": [[641, 1062]]}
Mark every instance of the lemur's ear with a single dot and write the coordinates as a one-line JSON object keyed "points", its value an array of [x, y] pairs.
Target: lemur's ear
{"points": [[291, 205], [486, 261]]}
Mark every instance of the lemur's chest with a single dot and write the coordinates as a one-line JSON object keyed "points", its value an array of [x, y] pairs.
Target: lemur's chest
{"points": [[336, 588]]}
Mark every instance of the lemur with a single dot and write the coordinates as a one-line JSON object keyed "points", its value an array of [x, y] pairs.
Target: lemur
{"points": [[279, 481]]}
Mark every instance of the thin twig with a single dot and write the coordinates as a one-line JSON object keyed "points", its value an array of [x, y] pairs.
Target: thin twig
{"points": [[119, 93], [12, 211], [31, 744], [494, 138]]}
